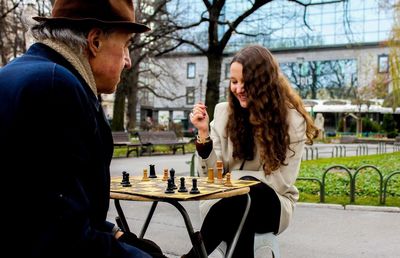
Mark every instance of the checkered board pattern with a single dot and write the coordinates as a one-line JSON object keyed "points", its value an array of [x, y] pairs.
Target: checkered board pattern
{"points": [[155, 187]]}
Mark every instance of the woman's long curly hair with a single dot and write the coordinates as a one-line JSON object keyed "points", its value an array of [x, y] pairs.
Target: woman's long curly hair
{"points": [[269, 96]]}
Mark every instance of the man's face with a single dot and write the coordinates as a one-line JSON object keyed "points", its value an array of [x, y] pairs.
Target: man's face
{"points": [[112, 56]]}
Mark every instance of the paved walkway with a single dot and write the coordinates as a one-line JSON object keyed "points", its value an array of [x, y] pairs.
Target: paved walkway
{"points": [[317, 230]]}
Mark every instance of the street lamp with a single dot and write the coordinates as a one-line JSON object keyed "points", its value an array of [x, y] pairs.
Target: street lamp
{"points": [[201, 87]]}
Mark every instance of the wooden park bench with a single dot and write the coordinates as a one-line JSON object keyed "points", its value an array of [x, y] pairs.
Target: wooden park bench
{"points": [[122, 139], [149, 139], [348, 139]]}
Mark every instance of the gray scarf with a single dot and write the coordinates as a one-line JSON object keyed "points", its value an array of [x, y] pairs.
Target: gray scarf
{"points": [[79, 62]]}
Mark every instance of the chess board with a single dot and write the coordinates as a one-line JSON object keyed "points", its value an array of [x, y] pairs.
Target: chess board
{"points": [[155, 187]]}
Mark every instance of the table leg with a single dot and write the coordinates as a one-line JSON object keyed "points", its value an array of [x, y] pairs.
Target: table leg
{"points": [[121, 216], [231, 247], [149, 216], [195, 238]]}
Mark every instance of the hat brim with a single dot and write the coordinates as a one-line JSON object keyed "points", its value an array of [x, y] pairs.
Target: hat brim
{"points": [[130, 26]]}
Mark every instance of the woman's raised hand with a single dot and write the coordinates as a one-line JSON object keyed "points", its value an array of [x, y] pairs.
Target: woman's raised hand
{"points": [[199, 118]]}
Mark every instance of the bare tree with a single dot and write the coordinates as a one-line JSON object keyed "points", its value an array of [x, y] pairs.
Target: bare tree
{"points": [[340, 78], [217, 39], [13, 35], [144, 48], [7, 7], [292, 72], [10, 30], [337, 78]]}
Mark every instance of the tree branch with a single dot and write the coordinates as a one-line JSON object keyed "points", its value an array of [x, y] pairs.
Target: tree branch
{"points": [[10, 10], [305, 5], [145, 87], [232, 26]]}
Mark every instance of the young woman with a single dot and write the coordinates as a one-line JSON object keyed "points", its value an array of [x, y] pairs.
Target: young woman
{"points": [[259, 134]]}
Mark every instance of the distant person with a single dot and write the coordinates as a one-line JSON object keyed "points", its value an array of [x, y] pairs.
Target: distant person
{"points": [[259, 134], [56, 142], [320, 123], [149, 123]]}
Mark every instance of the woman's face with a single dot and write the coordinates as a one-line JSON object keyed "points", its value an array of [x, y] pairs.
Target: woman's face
{"points": [[237, 84]]}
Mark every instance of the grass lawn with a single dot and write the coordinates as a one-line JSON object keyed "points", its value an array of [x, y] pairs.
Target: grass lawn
{"points": [[121, 151]]}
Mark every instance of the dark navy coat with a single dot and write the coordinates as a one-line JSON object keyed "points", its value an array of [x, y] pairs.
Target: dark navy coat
{"points": [[55, 151]]}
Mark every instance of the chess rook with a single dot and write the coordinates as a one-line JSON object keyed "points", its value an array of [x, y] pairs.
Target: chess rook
{"points": [[152, 172]]}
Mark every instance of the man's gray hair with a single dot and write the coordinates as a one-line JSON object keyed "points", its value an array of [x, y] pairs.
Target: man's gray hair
{"points": [[72, 36]]}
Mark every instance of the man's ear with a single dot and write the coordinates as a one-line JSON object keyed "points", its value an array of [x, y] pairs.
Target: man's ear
{"points": [[94, 41]]}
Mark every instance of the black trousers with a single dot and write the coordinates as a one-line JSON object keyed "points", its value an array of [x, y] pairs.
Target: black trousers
{"points": [[222, 221]]}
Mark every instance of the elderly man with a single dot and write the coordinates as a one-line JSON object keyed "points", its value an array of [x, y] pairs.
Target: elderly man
{"points": [[53, 123]]}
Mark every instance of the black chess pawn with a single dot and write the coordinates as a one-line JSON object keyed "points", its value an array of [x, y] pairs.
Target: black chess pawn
{"points": [[182, 188], [172, 177], [152, 172], [170, 188], [125, 179], [194, 190]]}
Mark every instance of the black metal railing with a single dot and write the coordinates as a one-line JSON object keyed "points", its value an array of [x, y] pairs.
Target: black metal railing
{"points": [[352, 175]]}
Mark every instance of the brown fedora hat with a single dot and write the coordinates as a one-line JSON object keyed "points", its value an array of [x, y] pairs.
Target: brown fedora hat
{"points": [[117, 13]]}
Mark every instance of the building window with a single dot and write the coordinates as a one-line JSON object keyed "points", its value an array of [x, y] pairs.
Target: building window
{"points": [[145, 100], [227, 71], [383, 63], [191, 70], [190, 95]]}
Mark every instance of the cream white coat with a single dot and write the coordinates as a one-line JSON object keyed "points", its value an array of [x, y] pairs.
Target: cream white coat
{"points": [[281, 180]]}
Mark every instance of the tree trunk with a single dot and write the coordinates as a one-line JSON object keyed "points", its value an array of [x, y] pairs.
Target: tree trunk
{"points": [[119, 107], [3, 53], [132, 91], [314, 87], [213, 81]]}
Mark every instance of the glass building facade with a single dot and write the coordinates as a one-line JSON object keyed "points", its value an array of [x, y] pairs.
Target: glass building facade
{"points": [[282, 24], [328, 51]]}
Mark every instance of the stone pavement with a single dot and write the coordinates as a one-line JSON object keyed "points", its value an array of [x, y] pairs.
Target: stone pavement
{"points": [[317, 230]]}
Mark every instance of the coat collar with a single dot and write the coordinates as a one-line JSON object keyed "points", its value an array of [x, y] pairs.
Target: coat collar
{"points": [[79, 62]]}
